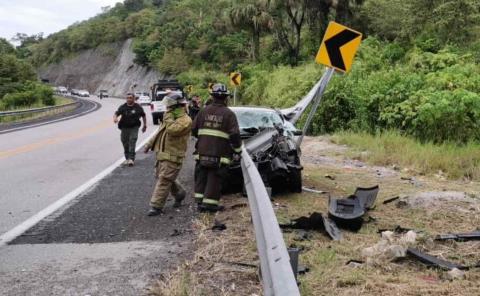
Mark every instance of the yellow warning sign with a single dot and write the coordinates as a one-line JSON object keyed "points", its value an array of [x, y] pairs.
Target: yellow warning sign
{"points": [[235, 78], [210, 86], [339, 46], [189, 88]]}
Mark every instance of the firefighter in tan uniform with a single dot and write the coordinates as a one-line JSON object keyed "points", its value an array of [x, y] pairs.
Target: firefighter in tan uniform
{"points": [[170, 144], [218, 134]]}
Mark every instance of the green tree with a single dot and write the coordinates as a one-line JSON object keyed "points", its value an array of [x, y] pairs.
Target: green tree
{"points": [[254, 17], [6, 47]]}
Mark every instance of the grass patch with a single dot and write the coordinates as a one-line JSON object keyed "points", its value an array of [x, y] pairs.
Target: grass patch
{"points": [[59, 101], [391, 148]]}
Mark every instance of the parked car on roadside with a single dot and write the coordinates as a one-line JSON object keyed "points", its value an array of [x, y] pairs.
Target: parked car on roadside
{"points": [[74, 92]]}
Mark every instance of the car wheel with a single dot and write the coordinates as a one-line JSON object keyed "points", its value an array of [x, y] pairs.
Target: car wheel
{"points": [[295, 180]]}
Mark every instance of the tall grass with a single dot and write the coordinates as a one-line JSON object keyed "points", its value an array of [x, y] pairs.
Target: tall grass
{"points": [[391, 148]]}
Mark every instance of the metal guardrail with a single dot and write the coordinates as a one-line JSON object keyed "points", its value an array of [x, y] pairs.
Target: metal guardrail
{"points": [[294, 113], [277, 275], [36, 110]]}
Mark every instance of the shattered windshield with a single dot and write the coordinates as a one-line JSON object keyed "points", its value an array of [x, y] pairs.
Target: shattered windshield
{"points": [[259, 119]]}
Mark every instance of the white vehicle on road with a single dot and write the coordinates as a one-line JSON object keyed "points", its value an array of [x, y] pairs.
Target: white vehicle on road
{"points": [[84, 93], [159, 91], [144, 99], [62, 90]]}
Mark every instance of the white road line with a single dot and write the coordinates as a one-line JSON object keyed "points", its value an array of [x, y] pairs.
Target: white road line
{"points": [[32, 221], [52, 121]]}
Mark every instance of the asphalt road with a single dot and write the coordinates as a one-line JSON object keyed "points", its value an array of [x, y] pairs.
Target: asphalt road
{"points": [[101, 243], [39, 165]]}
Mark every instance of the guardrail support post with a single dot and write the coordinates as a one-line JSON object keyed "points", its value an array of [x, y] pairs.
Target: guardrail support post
{"points": [[293, 253], [318, 97]]}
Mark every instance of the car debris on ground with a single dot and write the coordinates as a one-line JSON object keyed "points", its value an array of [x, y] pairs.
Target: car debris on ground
{"points": [[316, 221], [348, 212], [475, 235]]}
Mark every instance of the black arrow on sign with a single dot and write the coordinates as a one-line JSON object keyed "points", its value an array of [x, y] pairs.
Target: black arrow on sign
{"points": [[334, 44], [234, 79]]}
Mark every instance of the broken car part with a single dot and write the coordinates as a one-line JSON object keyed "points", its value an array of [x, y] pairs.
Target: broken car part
{"points": [[367, 196], [433, 261], [459, 236], [277, 158], [332, 229], [346, 213], [397, 229], [306, 189], [316, 221], [390, 200]]}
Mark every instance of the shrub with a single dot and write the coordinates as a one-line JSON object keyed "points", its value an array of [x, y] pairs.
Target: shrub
{"points": [[173, 62], [31, 94]]}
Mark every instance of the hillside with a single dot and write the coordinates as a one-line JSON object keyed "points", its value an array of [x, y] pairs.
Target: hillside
{"points": [[417, 70], [110, 67]]}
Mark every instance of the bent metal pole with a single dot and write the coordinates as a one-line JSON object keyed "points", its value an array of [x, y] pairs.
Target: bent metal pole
{"points": [[318, 97]]}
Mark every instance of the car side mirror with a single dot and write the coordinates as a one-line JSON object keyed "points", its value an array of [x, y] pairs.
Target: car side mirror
{"points": [[297, 132]]}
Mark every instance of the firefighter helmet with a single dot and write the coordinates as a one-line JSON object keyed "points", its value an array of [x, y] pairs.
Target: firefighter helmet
{"points": [[173, 99], [219, 91]]}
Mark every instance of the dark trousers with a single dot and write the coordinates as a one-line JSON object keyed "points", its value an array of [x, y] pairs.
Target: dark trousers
{"points": [[208, 183], [129, 138]]}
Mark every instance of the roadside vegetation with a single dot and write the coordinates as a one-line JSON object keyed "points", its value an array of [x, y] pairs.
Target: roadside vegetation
{"points": [[417, 70], [19, 86], [391, 149], [59, 101]]}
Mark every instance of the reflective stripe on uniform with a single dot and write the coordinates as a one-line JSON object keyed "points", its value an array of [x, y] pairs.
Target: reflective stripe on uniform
{"points": [[199, 195], [225, 160], [238, 150], [210, 201], [196, 157], [213, 133]]}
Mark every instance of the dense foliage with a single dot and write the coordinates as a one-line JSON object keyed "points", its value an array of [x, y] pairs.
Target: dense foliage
{"points": [[416, 72], [18, 81]]}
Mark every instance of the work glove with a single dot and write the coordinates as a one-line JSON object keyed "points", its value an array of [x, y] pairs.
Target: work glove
{"points": [[177, 112], [237, 157]]}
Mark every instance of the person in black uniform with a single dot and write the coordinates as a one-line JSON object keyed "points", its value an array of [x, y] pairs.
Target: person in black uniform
{"points": [[128, 118], [194, 107], [218, 134]]}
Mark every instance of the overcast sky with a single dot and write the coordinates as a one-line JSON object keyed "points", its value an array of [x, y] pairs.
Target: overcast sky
{"points": [[47, 16]]}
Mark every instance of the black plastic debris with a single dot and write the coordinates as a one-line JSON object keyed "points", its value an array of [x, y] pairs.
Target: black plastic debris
{"points": [[398, 229], [302, 269], [390, 200], [475, 235], [354, 261], [346, 213], [433, 261], [367, 196], [219, 226], [332, 229], [316, 221]]}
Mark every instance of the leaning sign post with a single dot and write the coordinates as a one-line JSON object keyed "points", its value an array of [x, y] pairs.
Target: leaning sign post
{"points": [[337, 51], [235, 81]]}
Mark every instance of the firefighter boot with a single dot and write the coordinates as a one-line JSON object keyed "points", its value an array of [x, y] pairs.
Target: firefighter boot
{"points": [[178, 193], [155, 212]]}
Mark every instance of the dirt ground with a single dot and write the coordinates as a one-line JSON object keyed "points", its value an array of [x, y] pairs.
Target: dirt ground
{"points": [[226, 262]]}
